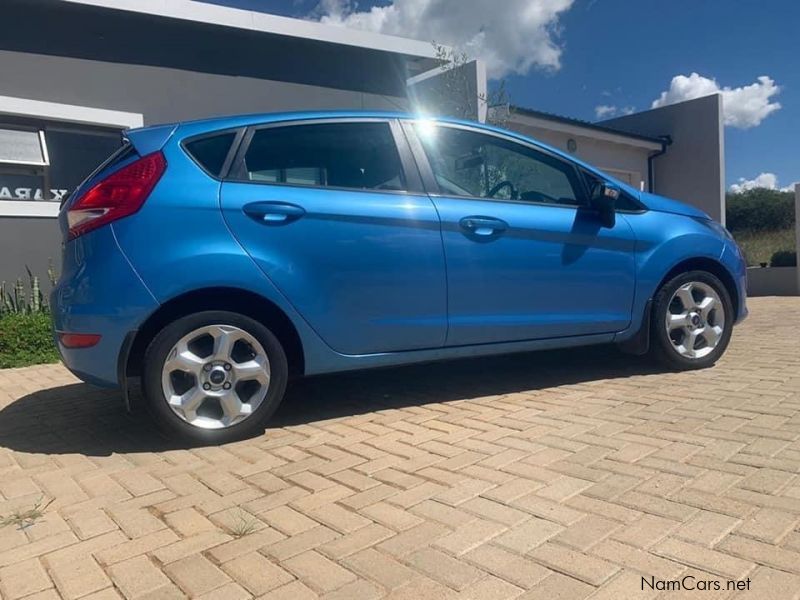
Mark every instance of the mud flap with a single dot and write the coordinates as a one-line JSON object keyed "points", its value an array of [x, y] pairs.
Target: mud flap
{"points": [[639, 344]]}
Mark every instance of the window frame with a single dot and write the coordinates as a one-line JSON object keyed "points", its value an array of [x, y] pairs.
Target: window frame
{"points": [[226, 164], [236, 172], [432, 186]]}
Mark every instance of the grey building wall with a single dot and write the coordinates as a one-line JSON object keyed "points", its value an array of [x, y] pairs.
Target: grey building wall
{"points": [[165, 94], [79, 30], [29, 242], [693, 168]]}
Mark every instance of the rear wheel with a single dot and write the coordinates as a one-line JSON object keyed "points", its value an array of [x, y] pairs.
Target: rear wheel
{"points": [[692, 321], [214, 376]]}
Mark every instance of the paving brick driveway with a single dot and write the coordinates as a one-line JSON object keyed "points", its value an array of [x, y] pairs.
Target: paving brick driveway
{"points": [[560, 475]]}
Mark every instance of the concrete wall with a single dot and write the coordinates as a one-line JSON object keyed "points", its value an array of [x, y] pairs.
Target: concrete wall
{"points": [[165, 94], [693, 168], [78, 30], [797, 232], [773, 281], [31, 242]]}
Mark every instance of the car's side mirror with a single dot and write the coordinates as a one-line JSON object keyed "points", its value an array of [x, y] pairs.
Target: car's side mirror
{"points": [[604, 200]]}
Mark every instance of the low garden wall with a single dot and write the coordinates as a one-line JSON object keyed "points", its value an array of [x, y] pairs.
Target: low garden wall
{"points": [[772, 281]]}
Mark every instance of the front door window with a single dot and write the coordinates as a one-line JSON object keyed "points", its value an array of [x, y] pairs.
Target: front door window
{"points": [[467, 163]]}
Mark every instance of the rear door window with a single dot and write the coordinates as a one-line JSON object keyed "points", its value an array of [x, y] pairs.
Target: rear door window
{"points": [[360, 156], [210, 152]]}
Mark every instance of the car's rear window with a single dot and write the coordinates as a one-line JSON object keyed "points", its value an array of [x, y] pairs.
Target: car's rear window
{"points": [[354, 155], [210, 152]]}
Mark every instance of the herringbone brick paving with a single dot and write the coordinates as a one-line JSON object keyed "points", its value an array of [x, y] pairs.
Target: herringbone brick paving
{"points": [[558, 475]]}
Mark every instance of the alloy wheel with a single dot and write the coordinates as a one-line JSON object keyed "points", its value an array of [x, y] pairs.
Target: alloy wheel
{"points": [[215, 376], [695, 320]]}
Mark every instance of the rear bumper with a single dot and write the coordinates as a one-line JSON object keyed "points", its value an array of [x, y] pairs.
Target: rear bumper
{"points": [[98, 293]]}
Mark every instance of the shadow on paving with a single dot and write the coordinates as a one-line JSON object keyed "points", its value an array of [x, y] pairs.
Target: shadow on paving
{"points": [[82, 419]]}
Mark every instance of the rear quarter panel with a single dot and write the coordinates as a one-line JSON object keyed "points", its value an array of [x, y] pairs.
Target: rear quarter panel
{"points": [[97, 292]]}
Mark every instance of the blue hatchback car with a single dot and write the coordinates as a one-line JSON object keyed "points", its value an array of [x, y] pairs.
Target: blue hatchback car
{"points": [[216, 259]]}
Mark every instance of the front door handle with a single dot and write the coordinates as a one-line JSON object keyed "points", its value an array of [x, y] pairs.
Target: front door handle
{"points": [[273, 213], [483, 226]]}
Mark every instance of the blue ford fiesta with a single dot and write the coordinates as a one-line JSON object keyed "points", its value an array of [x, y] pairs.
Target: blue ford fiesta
{"points": [[216, 259]]}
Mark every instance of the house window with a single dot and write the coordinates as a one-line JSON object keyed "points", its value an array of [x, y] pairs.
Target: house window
{"points": [[45, 161], [23, 147]]}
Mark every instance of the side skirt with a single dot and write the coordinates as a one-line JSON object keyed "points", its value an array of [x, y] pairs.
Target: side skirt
{"points": [[349, 362]]}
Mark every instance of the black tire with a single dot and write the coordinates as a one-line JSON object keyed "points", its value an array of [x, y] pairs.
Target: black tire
{"points": [[661, 345], [157, 353]]}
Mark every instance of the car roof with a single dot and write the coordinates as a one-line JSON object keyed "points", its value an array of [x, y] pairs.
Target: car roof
{"points": [[244, 120]]}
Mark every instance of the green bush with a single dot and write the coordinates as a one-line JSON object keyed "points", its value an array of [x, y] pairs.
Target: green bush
{"points": [[760, 210], [26, 339], [25, 332], [783, 258]]}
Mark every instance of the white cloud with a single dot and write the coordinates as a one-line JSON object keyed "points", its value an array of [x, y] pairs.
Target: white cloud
{"points": [[512, 38], [606, 111], [743, 107], [767, 181]]}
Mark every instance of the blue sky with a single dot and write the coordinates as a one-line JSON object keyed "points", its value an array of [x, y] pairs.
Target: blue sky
{"points": [[623, 54]]}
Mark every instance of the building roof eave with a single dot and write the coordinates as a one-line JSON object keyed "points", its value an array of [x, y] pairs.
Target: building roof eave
{"points": [[585, 128], [260, 22]]}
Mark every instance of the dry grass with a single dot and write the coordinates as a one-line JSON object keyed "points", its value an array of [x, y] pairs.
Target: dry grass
{"points": [[243, 524], [759, 246], [25, 518]]}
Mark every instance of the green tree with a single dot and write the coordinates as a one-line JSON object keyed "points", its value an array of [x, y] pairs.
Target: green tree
{"points": [[760, 209]]}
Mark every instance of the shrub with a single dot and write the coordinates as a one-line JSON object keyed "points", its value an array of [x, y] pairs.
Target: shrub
{"points": [[18, 298], [760, 210], [783, 258], [25, 332], [26, 339]]}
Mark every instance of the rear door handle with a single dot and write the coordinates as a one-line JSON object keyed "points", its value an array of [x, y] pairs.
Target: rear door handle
{"points": [[273, 213], [483, 226]]}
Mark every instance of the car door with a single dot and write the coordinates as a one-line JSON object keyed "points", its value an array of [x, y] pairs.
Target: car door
{"points": [[334, 214], [526, 258]]}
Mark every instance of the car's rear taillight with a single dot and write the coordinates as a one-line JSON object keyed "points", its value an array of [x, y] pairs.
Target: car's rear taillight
{"points": [[120, 194]]}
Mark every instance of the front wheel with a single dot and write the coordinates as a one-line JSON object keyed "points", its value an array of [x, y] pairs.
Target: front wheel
{"points": [[692, 321], [214, 376]]}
